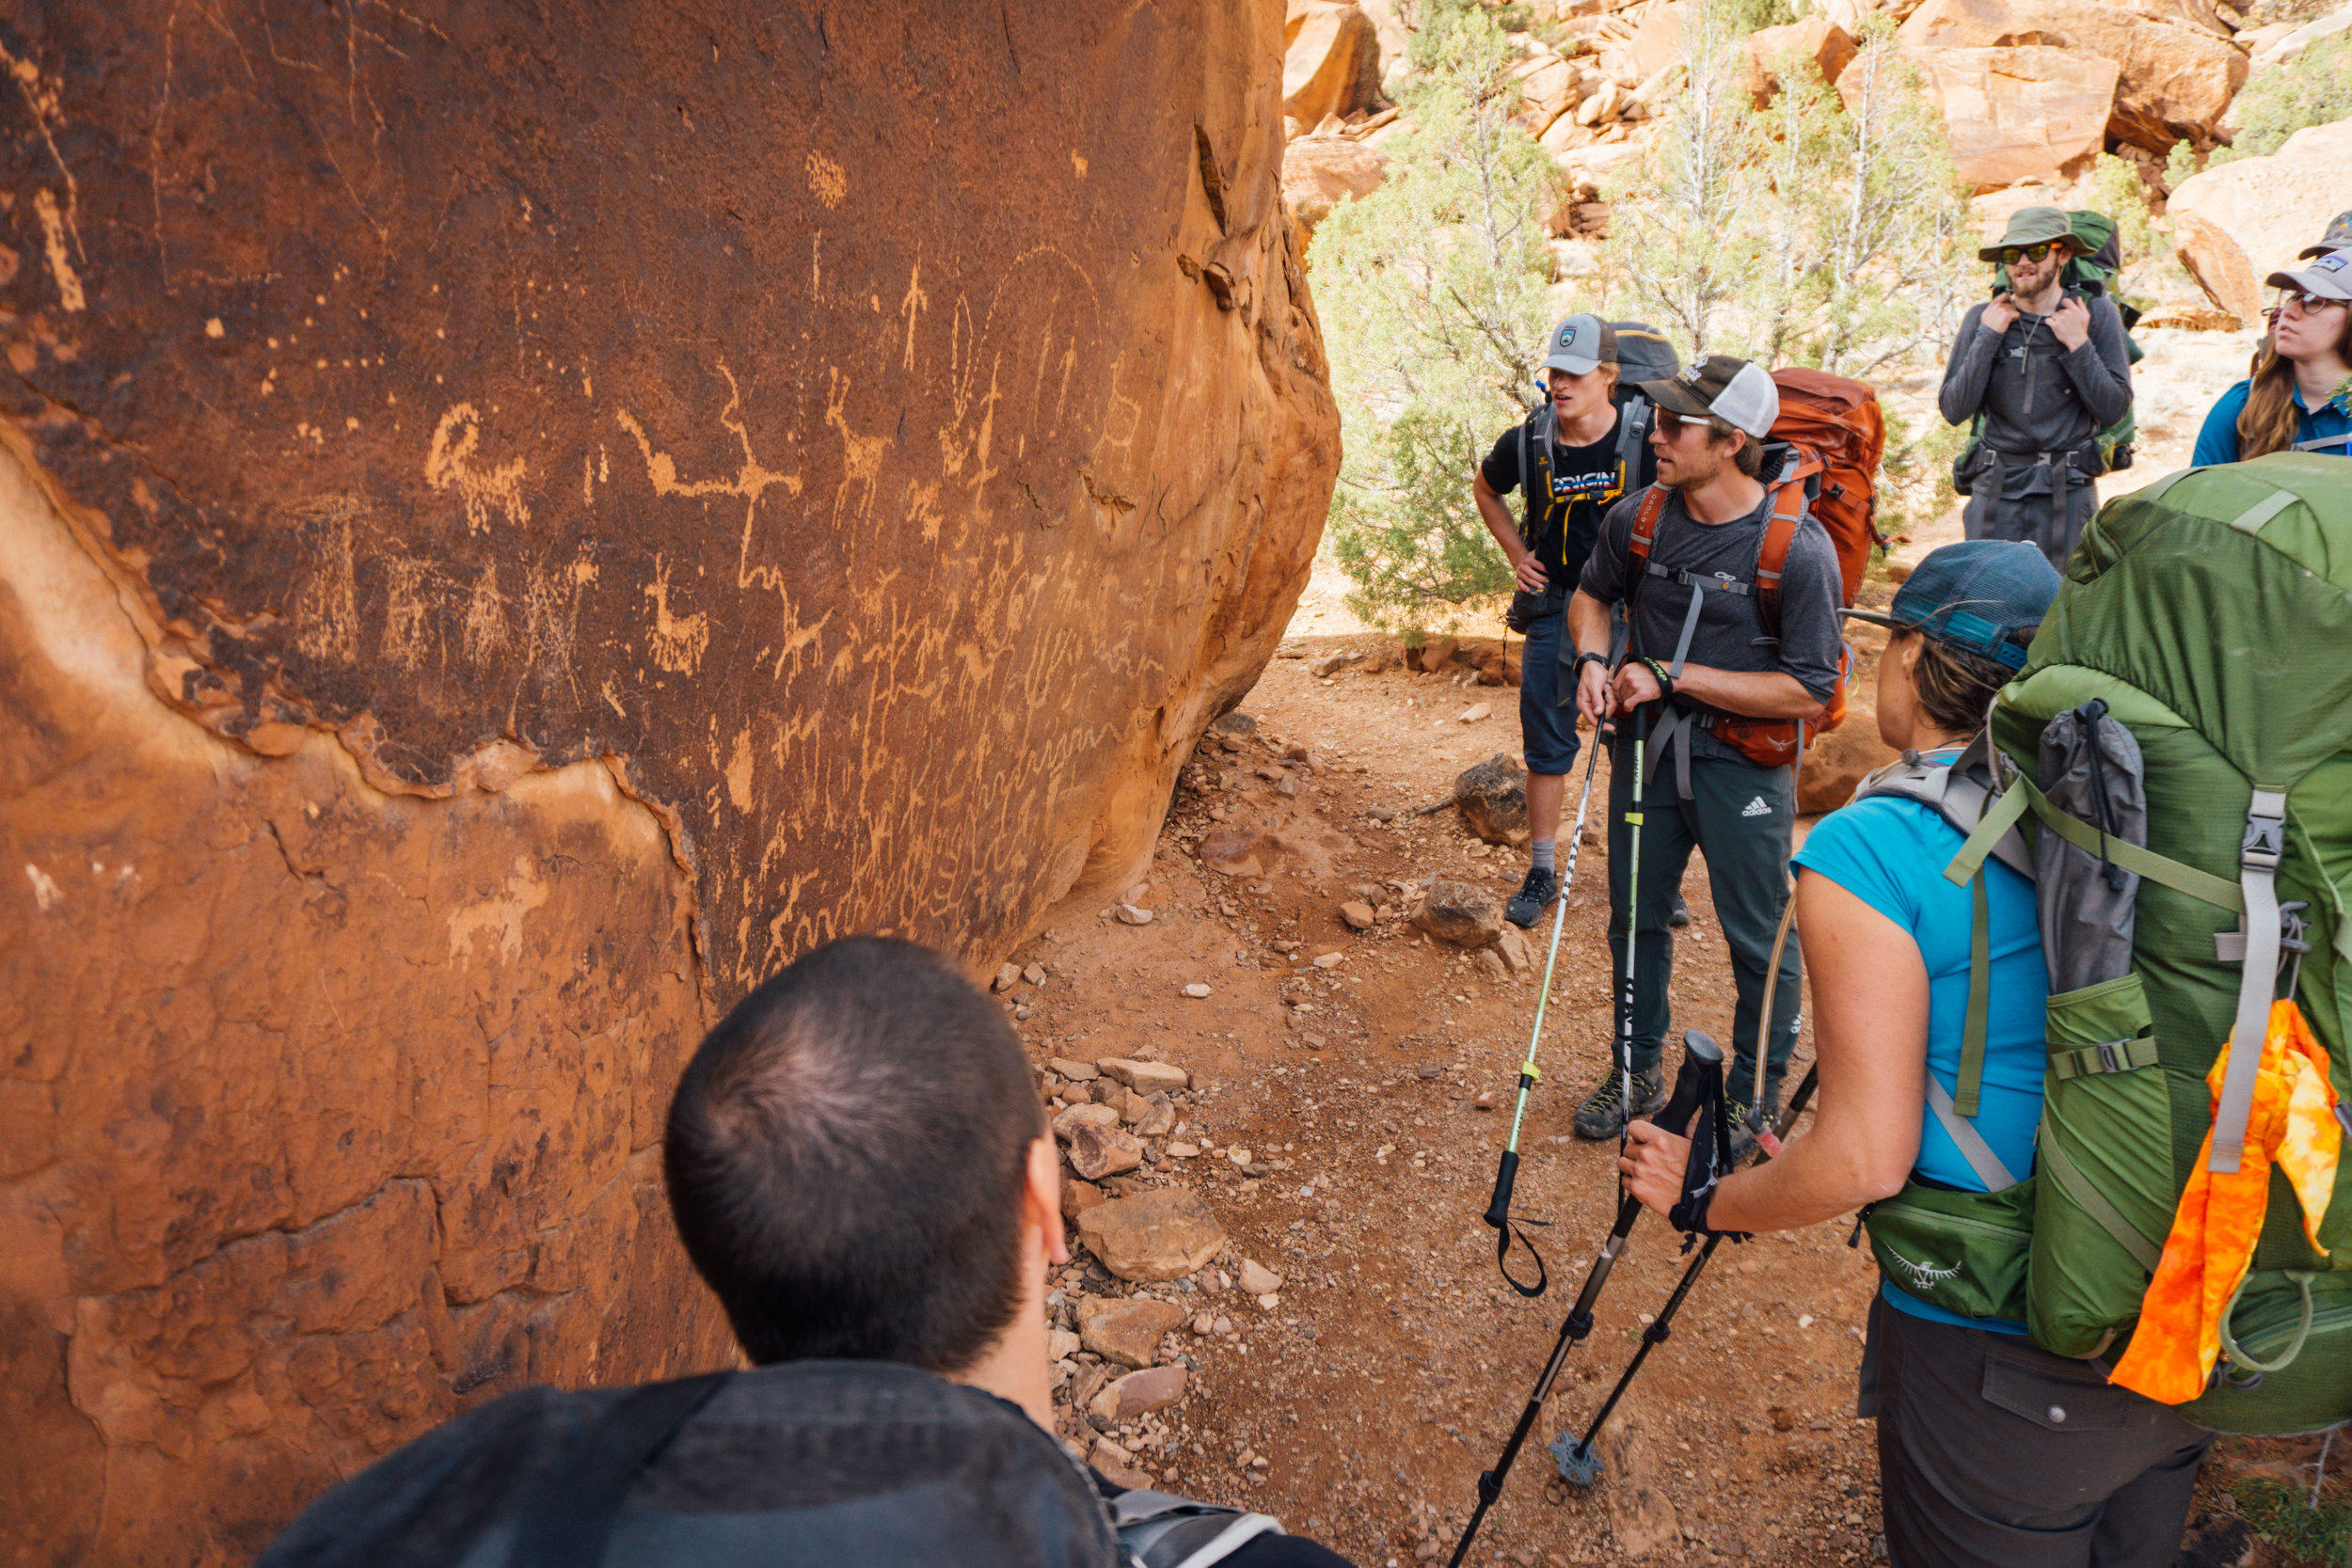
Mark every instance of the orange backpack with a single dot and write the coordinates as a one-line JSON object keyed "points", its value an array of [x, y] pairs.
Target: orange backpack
{"points": [[1834, 436]]}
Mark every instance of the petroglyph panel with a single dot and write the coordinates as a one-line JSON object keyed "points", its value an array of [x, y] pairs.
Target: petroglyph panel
{"points": [[520, 522]]}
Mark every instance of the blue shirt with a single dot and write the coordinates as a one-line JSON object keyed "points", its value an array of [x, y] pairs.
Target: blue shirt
{"points": [[2216, 439], [1891, 853]]}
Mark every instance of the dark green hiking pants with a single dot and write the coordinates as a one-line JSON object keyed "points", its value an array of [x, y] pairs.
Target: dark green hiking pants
{"points": [[1738, 816]]}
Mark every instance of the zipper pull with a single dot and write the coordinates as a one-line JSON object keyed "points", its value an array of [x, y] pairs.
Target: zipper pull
{"points": [[1855, 1240]]}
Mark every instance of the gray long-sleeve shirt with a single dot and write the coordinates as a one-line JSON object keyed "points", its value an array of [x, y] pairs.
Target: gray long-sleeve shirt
{"points": [[2036, 394]]}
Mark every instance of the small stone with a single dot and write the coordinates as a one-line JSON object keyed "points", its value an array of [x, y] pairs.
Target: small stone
{"points": [[1096, 1152], [1491, 963], [1239, 1156], [1067, 1124], [1022, 1013], [1269, 1301], [1485, 1101], [1035, 974], [1198, 989], [1204, 1325], [1491, 798], [1329, 961], [1125, 1331], [1463, 913], [1222, 1325], [1060, 1344], [1077, 1198], [1358, 914], [1139, 1393], [1259, 1461], [1286, 786], [1180, 1150], [1236, 724], [1075, 1072], [1259, 1280], [1131, 1106], [1130, 915], [1076, 1094], [1145, 1077], [1476, 711], [1163, 1234], [1382, 813], [1137, 893], [1517, 954], [1328, 665], [1008, 977], [1158, 1119]]}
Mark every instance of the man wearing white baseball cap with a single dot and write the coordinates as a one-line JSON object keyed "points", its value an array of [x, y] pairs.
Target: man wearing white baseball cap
{"points": [[2291, 402], [1687, 559], [1573, 457]]}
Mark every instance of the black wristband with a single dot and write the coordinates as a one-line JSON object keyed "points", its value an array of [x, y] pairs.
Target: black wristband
{"points": [[1690, 1217], [1665, 681], [1584, 658]]}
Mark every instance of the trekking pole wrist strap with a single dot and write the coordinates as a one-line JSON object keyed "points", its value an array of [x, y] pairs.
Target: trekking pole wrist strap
{"points": [[1690, 1217], [1665, 680]]}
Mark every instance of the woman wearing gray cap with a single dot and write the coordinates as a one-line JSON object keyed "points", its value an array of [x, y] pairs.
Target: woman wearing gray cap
{"points": [[2049, 368], [2295, 399], [1993, 1453]]}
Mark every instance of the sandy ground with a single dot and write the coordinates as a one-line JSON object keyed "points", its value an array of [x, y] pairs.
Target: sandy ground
{"points": [[1344, 1145]]}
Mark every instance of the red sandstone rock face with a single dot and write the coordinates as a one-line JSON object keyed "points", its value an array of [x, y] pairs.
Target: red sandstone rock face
{"points": [[516, 524]]}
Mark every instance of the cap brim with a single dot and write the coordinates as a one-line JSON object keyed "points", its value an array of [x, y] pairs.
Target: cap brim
{"points": [[1571, 364], [1676, 397], [1876, 617], [2336, 288]]}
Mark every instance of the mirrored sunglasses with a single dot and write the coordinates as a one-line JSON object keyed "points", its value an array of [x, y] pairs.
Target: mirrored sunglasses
{"points": [[2012, 254]]}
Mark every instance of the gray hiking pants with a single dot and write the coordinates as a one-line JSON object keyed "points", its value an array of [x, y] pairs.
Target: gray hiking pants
{"points": [[1738, 816], [1995, 1453], [2028, 517]]}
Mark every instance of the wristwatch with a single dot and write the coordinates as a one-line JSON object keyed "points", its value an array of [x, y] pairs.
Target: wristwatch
{"points": [[1584, 658]]}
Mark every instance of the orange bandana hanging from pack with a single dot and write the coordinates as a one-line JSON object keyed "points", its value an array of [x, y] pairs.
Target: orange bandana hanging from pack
{"points": [[2294, 1125]]}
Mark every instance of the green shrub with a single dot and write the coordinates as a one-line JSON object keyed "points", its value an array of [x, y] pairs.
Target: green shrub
{"points": [[2284, 1516], [1431, 292], [2313, 88]]}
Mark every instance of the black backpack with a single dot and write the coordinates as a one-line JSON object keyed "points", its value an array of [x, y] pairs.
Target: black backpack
{"points": [[796, 1466]]}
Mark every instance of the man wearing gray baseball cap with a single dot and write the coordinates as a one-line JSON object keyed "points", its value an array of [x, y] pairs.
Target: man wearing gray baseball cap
{"points": [[1716, 647], [1572, 458], [2049, 369]]}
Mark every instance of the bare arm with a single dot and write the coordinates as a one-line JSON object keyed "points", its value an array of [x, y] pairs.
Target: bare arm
{"points": [[1525, 568], [1870, 1039], [1759, 694], [1589, 624]]}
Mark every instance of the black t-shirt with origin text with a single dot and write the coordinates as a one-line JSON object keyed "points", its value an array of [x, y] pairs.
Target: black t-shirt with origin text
{"points": [[1585, 482]]}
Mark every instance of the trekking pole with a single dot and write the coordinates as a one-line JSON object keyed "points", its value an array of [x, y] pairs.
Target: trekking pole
{"points": [[1699, 1056], [1577, 1463], [1640, 734], [1507, 1167]]}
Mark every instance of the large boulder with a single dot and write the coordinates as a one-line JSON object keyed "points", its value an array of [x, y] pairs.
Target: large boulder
{"points": [[2173, 80], [2032, 112], [1548, 88], [2236, 225], [515, 524], [1492, 797], [1318, 172], [1331, 61], [1817, 41]]}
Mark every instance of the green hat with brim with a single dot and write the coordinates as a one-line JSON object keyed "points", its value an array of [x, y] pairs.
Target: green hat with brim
{"points": [[2032, 226]]}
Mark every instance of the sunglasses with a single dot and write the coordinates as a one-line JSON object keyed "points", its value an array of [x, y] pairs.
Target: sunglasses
{"points": [[2012, 254], [1672, 425], [2302, 301]]}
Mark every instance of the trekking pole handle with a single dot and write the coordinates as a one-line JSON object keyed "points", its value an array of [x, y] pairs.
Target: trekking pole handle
{"points": [[1701, 1055], [1506, 1176]]}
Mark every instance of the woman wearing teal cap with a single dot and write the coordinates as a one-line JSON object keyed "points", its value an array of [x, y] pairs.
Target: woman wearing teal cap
{"points": [[1992, 1450]]}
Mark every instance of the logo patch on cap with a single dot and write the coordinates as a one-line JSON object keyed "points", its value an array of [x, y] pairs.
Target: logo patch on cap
{"points": [[1568, 337], [2333, 261]]}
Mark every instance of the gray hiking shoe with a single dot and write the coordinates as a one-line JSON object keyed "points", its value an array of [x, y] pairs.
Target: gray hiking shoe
{"points": [[1603, 1114], [1681, 916], [1535, 894], [1742, 1138]]}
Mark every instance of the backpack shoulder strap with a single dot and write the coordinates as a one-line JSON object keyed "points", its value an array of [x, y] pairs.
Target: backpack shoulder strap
{"points": [[1159, 1529], [1771, 551], [569, 1515], [1632, 429], [1637, 545]]}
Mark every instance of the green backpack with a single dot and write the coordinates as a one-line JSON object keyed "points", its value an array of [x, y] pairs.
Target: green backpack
{"points": [[2176, 754]]}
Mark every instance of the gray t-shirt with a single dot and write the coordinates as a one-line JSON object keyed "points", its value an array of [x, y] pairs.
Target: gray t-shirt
{"points": [[1730, 634]]}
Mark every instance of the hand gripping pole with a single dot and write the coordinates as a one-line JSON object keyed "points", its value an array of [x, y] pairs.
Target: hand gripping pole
{"points": [[1699, 1055]]}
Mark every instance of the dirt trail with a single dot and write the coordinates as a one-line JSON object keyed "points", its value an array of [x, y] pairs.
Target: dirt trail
{"points": [[1394, 1360]]}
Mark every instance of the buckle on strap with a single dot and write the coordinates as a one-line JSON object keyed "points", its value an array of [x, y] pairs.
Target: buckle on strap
{"points": [[2108, 1060], [2265, 838]]}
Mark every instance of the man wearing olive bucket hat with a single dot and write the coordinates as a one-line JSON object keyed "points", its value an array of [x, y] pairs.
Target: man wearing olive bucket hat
{"points": [[2047, 367]]}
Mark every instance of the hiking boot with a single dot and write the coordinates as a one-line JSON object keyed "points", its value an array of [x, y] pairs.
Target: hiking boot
{"points": [[1681, 916], [1743, 1140], [1535, 896], [1603, 1114]]}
